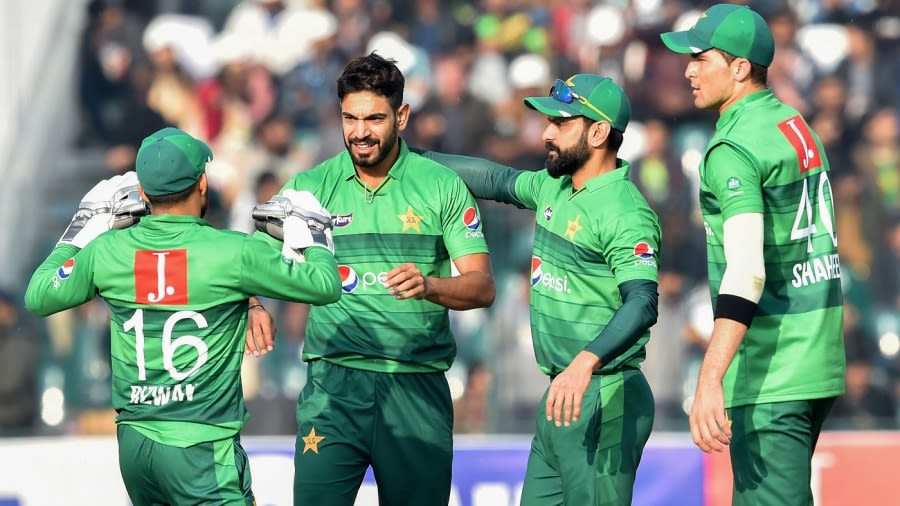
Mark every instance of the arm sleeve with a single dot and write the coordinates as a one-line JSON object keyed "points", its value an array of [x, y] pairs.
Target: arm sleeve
{"points": [[267, 273], [458, 238], [485, 179], [637, 314], [745, 269], [64, 280]]}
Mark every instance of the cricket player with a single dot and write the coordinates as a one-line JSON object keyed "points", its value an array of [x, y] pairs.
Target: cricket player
{"points": [[593, 297], [376, 393], [177, 290], [775, 359]]}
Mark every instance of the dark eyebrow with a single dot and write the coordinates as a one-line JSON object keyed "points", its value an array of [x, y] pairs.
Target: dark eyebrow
{"points": [[378, 115]]}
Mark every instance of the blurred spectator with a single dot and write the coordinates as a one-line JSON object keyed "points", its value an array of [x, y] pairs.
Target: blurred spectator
{"points": [[451, 119], [870, 78], [19, 344], [869, 402], [517, 139], [262, 92]]}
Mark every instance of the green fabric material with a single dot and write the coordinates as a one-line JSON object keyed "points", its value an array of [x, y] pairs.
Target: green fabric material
{"points": [[484, 178], [594, 460], [772, 449], [216, 472], [170, 161], [422, 213], [400, 424], [177, 290], [587, 243], [765, 158], [735, 29], [637, 314]]}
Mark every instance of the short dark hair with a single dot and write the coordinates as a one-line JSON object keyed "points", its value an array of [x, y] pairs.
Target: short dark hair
{"points": [[172, 198], [758, 73], [375, 74]]}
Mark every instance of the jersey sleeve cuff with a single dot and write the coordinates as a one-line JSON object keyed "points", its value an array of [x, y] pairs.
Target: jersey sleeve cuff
{"points": [[735, 308]]}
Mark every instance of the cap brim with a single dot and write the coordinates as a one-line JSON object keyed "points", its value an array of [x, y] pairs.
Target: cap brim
{"points": [[552, 107], [684, 42]]}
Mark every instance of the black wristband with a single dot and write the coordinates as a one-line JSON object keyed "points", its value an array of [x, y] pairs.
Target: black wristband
{"points": [[255, 306], [735, 308]]}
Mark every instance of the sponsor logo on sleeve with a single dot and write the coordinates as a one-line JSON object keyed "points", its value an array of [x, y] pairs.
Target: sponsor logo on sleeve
{"points": [[65, 270], [160, 277], [645, 254], [472, 222], [548, 213]]}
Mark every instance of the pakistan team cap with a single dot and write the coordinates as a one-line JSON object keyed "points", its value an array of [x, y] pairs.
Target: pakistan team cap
{"points": [[170, 161], [735, 29], [590, 95]]}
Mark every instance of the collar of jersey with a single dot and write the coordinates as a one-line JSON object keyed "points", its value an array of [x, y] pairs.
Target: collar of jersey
{"points": [[395, 172], [164, 220], [617, 174], [752, 99]]}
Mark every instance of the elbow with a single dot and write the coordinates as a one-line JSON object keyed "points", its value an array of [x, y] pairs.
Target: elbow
{"points": [[33, 305], [487, 294]]}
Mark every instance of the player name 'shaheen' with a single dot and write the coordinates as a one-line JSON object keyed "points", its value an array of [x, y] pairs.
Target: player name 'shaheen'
{"points": [[160, 395], [818, 269]]}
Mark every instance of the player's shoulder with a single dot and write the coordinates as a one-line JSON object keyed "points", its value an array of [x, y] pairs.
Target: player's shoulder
{"points": [[428, 171], [322, 173]]}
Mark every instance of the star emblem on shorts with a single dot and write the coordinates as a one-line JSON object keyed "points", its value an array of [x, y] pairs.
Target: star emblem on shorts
{"points": [[311, 441], [410, 220], [573, 228]]}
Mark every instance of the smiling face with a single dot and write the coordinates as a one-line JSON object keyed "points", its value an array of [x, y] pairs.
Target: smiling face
{"points": [[712, 79], [372, 130], [566, 140]]}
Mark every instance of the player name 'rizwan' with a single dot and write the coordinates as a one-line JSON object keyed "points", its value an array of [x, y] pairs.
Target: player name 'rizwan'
{"points": [[160, 395]]}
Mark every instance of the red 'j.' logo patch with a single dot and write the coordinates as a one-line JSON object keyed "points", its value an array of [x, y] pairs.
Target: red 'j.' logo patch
{"points": [[160, 277], [798, 134]]}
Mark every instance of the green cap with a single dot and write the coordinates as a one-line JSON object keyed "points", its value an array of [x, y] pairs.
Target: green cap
{"points": [[590, 95], [170, 161], [735, 29]]}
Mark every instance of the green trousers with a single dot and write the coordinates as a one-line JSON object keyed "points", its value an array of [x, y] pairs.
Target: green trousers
{"points": [[593, 462], [208, 474], [771, 451], [350, 419]]}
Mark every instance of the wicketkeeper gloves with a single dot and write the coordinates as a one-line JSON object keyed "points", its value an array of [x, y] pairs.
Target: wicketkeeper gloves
{"points": [[298, 219], [113, 203]]}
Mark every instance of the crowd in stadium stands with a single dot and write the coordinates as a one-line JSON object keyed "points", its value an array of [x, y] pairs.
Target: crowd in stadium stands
{"points": [[256, 80]]}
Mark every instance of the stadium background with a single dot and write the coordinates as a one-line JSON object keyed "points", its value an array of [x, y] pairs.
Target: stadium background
{"points": [[81, 82]]}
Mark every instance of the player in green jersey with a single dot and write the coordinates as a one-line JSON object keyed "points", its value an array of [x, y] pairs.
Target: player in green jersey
{"points": [[177, 291], [594, 293], [775, 360], [376, 393]]}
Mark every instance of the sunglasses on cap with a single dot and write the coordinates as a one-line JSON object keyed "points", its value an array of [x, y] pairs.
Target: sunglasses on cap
{"points": [[565, 94]]}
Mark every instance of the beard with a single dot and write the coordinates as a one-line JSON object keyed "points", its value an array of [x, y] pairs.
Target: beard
{"points": [[384, 149], [567, 161]]}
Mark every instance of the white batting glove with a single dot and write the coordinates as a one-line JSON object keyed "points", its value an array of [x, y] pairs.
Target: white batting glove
{"points": [[111, 203]]}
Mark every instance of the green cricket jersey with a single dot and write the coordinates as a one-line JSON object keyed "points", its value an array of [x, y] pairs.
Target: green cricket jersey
{"points": [[586, 244], [177, 290], [765, 159], [422, 213]]}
